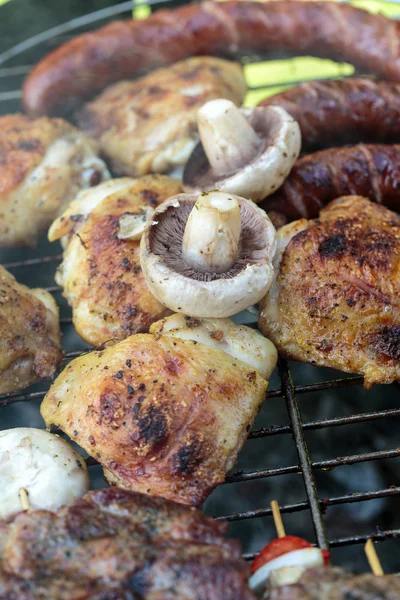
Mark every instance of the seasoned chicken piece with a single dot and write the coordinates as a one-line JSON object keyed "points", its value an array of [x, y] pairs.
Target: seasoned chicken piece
{"points": [[43, 164], [101, 273], [166, 414], [336, 297], [119, 545], [29, 334], [149, 125]]}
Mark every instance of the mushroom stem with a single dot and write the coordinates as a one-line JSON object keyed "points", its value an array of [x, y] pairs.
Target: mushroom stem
{"points": [[212, 232], [24, 499], [228, 140]]}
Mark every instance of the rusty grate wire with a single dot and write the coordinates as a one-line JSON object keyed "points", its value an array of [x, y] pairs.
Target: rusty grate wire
{"points": [[9, 102]]}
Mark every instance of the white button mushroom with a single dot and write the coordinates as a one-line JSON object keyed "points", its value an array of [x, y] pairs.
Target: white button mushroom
{"points": [[286, 569], [209, 256], [247, 151], [46, 466]]}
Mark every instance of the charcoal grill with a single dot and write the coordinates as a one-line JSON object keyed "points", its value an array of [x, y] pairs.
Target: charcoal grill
{"points": [[37, 268]]}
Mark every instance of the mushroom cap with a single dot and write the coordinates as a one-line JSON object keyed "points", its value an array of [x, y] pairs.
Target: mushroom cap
{"points": [[51, 471], [266, 172], [218, 295]]}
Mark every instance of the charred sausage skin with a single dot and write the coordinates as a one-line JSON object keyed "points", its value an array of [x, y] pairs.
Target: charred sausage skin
{"points": [[123, 49], [348, 111], [369, 170]]}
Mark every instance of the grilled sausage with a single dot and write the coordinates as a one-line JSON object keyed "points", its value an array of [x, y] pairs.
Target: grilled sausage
{"points": [[334, 113], [368, 170], [89, 62]]}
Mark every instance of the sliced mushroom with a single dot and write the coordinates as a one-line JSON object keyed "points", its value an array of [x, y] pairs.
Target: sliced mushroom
{"points": [[209, 256], [247, 151]]}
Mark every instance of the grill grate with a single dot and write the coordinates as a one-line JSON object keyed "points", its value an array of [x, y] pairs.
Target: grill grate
{"points": [[27, 269]]}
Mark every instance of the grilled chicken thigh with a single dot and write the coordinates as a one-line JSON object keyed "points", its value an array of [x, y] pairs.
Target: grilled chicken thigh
{"points": [[29, 334], [336, 296], [166, 413], [101, 273], [43, 164], [149, 125]]}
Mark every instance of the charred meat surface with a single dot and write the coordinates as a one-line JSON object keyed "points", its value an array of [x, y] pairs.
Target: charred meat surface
{"points": [[119, 545], [124, 49], [335, 301], [101, 273], [43, 164], [333, 583], [149, 125], [29, 335], [369, 170], [347, 111], [163, 415]]}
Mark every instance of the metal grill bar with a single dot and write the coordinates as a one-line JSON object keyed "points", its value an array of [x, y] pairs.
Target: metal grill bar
{"points": [[302, 452], [300, 506], [376, 536], [329, 464]]}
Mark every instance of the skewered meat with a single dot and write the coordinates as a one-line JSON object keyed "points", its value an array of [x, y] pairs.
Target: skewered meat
{"points": [[348, 111], [29, 334], [44, 465], [335, 299], [120, 545], [283, 561], [149, 125], [333, 583], [368, 170], [89, 62], [166, 414], [101, 273], [43, 164]]}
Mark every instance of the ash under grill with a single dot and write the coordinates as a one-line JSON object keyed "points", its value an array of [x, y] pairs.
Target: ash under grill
{"points": [[332, 461]]}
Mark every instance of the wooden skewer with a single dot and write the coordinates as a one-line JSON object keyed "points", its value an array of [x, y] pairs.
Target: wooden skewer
{"points": [[24, 499], [373, 558], [276, 514]]}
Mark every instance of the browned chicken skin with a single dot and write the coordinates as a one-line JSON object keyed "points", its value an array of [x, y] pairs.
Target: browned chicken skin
{"points": [[149, 125], [335, 301], [119, 545], [101, 273], [29, 334], [43, 164], [162, 414]]}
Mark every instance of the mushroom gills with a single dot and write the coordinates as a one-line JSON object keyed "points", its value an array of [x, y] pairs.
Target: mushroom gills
{"points": [[240, 342], [209, 256], [248, 151]]}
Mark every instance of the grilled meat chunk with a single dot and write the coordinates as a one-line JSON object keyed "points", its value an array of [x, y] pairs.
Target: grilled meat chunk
{"points": [[101, 273], [149, 125], [119, 545], [43, 164], [333, 583], [335, 300], [29, 334], [164, 415], [343, 111]]}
